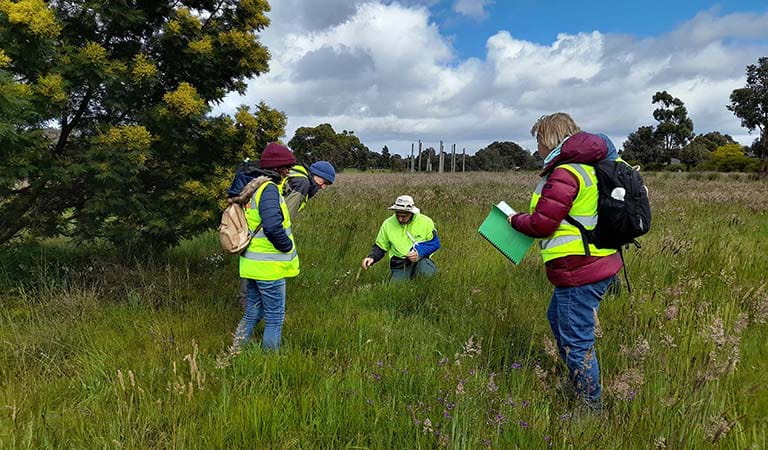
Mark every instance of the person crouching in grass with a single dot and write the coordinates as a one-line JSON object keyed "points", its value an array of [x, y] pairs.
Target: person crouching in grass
{"points": [[410, 238]]}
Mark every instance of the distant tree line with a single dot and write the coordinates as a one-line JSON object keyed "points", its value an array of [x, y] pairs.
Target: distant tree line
{"points": [[344, 150]]}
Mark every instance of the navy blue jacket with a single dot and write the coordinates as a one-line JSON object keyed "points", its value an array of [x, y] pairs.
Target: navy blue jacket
{"points": [[272, 219]]}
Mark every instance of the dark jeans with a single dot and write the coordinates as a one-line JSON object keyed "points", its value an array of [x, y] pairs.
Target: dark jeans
{"points": [[571, 315], [403, 270]]}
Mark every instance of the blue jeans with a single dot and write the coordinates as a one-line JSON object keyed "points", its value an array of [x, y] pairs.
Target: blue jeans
{"points": [[265, 299], [571, 315]]}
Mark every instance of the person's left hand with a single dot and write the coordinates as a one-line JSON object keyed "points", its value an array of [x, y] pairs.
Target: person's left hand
{"points": [[413, 256]]}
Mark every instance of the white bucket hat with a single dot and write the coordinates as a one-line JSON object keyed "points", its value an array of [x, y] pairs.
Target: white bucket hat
{"points": [[405, 203]]}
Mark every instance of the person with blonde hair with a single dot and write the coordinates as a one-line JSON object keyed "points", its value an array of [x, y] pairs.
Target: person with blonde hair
{"points": [[568, 191]]}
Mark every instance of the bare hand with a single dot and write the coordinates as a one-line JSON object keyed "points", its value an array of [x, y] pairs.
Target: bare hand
{"points": [[509, 218], [367, 262], [413, 256]]}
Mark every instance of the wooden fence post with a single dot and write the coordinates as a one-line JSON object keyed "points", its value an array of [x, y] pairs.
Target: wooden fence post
{"points": [[453, 159], [412, 168], [419, 155], [440, 160]]}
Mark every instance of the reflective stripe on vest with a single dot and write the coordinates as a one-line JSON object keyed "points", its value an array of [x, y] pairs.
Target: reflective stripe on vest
{"points": [[566, 240], [550, 243], [270, 256], [261, 260], [588, 222]]}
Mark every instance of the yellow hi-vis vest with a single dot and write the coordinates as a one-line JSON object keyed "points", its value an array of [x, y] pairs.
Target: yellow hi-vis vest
{"points": [[566, 240], [398, 239], [297, 171], [261, 260]]}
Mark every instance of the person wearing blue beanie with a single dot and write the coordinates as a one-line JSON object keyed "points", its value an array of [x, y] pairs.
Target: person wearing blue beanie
{"points": [[303, 183], [325, 171]]}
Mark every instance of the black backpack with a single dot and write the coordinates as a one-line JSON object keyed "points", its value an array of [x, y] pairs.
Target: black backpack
{"points": [[623, 209]]}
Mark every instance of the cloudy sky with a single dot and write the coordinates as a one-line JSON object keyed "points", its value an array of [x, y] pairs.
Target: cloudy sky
{"points": [[470, 72]]}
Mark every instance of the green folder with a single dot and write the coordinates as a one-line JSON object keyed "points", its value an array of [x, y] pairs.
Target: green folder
{"points": [[510, 242]]}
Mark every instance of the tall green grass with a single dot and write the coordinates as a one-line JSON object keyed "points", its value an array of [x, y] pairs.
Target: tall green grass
{"points": [[99, 351]]}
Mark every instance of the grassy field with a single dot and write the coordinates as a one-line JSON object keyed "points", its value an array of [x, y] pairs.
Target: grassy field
{"points": [[101, 350]]}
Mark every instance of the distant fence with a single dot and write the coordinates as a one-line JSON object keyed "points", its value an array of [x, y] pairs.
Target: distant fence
{"points": [[415, 165]]}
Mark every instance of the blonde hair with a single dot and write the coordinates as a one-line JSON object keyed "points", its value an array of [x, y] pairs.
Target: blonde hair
{"points": [[551, 130]]}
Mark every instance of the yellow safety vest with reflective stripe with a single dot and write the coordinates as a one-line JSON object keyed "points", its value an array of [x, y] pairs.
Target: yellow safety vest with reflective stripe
{"points": [[261, 260], [296, 171], [566, 240]]}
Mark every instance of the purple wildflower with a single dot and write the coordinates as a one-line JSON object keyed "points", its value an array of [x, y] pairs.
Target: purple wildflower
{"points": [[447, 415], [376, 376], [516, 366], [525, 403], [379, 364], [547, 438], [565, 417], [523, 424]]}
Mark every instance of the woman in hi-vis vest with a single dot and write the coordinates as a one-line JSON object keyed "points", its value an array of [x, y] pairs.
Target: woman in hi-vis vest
{"points": [[271, 255], [568, 187]]}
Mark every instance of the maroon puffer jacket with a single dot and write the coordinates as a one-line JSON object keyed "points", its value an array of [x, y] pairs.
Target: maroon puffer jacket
{"points": [[556, 200]]}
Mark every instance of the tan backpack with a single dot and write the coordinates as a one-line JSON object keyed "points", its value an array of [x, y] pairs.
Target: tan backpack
{"points": [[234, 234]]}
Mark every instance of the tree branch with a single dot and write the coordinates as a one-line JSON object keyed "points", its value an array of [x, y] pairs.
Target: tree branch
{"points": [[213, 13], [67, 128]]}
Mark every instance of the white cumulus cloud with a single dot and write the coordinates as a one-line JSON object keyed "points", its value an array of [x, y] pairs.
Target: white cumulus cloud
{"points": [[385, 70], [473, 8]]}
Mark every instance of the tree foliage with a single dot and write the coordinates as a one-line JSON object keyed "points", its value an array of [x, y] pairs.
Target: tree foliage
{"points": [[675, 128], [730, 158], [654, 147], [701, 146], [343, 149], [750, 103], [500, 156], [643, 147], [135, 156]]}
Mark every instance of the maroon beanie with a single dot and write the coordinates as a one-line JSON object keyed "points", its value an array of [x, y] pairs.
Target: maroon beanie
{"points": [[276, 155]]}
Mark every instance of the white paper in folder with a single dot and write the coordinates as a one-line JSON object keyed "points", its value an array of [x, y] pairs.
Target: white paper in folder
{"points": [[505, 208]]}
